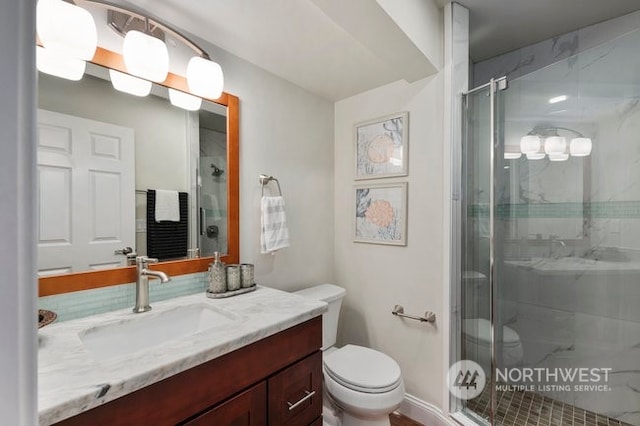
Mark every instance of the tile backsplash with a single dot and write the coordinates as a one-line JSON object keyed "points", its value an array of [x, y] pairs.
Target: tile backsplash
{"points": [[85, 303]]}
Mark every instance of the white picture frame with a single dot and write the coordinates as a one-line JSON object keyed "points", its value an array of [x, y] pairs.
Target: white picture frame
{"points": [[380, 215], [381, 147]]}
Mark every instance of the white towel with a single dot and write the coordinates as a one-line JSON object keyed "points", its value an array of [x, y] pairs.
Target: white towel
{"points": [[274, 235], [167, 206]]}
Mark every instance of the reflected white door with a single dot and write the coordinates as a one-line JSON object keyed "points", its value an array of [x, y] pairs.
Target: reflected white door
{"points": [[86, 193]]}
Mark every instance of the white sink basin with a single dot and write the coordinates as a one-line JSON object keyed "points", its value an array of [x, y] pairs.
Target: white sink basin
{"points": [[146, 330]]}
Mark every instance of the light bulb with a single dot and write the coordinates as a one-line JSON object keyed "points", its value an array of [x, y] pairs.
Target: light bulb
{"points": [[55, 64], [580, 147], [129, 84], [535, 155], [145, 56], [66, 29], [555, 145], [184, 100], [205, 78], [530, 144], [558, 157]]}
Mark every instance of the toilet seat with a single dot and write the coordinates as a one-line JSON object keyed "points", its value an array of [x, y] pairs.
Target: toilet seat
{"points": [[362, 369], [478, 330]]}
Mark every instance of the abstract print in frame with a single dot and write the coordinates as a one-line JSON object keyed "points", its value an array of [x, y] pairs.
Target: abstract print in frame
{"points": [[381, 147], [381, 213]]}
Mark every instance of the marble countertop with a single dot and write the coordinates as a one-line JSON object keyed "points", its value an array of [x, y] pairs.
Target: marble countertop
{"points": [[71, 380]]}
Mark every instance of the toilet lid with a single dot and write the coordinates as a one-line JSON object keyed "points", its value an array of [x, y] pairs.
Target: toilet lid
{"points": [[362, 369], [479, 329]]}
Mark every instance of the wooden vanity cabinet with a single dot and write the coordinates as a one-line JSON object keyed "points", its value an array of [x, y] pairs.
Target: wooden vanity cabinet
{"points": [[275, 381]]}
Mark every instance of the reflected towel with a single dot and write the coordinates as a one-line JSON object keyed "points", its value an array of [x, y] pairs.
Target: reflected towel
{"points": [[274, 235], [167, 206]]}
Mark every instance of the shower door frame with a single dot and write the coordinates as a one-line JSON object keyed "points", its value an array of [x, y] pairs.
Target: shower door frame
{"points": [[494, 85]]}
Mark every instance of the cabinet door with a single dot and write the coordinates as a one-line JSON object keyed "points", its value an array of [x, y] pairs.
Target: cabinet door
{"points": [[295, 393], [247, 409]]}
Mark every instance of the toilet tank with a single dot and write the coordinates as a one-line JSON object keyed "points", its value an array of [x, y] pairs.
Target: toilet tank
{"points": [[333, 295]]}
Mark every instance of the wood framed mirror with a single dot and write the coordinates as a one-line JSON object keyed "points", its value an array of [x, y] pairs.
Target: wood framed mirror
{"points": [[76, 281]]}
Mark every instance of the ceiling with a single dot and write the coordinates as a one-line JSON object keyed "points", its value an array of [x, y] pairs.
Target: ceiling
{"points": [[326, 48], [499, 26]]}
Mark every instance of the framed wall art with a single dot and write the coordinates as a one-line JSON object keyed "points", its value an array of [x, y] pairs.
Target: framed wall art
{"points": [[382, 147], [381, 213]]}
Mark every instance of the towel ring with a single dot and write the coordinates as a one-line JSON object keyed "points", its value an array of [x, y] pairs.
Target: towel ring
{"points": [[265, 179]]}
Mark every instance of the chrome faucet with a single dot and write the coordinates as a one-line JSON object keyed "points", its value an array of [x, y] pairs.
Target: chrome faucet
{"points": [[142, 282], [554, 241]]}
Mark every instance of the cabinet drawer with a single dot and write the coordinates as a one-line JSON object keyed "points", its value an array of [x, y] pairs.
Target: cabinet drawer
{"points": [[295, 393], [247, 409]]}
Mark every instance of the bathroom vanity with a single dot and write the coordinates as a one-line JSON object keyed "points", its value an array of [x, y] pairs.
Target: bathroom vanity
{"points": [[261, 365]]}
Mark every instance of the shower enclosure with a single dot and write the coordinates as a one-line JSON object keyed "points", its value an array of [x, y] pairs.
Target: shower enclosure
{"points": [[549, 242]]}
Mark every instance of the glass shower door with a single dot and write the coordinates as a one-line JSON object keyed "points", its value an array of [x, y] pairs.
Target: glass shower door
{"points": [[480, 116]]}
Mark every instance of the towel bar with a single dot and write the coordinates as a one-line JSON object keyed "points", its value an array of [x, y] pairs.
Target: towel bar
{"points": [[429, 316], [265, 179]]}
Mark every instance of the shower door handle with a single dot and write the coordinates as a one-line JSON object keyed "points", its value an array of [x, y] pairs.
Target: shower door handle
{"points": [[201, 221]]}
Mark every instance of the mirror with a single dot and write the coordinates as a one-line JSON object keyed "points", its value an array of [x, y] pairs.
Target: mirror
{"points": [[193, 153]]}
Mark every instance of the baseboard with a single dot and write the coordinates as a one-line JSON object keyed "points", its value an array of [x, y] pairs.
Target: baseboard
{"points": [[423, 412]]}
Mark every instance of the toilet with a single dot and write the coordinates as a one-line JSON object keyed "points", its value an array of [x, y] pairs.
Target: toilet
{"points": [[362, 386], [477, 338]]}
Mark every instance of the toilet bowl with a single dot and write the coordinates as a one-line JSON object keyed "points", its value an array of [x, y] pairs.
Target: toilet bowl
{"points": [[362, 386], [477, 338]]}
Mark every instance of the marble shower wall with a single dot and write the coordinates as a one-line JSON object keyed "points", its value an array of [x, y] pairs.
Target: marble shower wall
{"points": [[536, 56]]}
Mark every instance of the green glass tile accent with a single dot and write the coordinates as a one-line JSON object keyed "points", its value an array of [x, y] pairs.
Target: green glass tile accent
{"points": [[85, 303], [595, 210]]}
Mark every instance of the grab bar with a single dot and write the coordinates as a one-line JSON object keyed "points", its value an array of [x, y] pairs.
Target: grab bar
{"points": [[429, 316]]}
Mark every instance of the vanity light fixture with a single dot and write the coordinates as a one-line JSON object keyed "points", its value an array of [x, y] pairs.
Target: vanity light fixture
{"points": [[68, 36], [555, 146], [129, 84]]}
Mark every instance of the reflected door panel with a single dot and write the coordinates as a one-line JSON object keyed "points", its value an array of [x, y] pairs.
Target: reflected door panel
{"points": [[86, 187]]}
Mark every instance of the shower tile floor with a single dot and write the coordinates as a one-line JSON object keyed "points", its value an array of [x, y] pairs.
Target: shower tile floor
{"points": [[523, 408]]}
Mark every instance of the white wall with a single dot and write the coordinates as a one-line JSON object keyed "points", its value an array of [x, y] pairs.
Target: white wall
{"points": [[286, 132], [17, 218], [376, 276]]}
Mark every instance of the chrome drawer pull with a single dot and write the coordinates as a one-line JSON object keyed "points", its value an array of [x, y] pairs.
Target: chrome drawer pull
{"points": [[304, 398]]}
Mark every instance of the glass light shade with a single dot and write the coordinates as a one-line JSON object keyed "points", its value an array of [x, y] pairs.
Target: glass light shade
{"points": [[53, 63], [512, 155], [66, 29], [129, 84], [535, 155], [205, 78], [184, 100], [555, 145], [580, 147], [145, 56], [558, 157], [530, 144]]}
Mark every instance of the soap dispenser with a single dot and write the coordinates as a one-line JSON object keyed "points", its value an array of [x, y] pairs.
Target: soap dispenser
{"points": [[217, 275]]}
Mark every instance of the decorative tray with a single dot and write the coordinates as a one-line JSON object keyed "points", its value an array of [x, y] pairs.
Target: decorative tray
{"points": [[232, 292], [46, 317]]}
